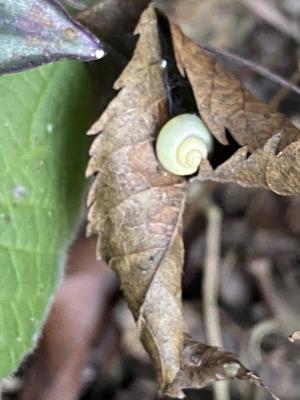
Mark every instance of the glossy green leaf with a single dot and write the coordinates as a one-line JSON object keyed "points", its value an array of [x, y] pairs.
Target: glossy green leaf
{"points": [[35, 32], [44, 114]]}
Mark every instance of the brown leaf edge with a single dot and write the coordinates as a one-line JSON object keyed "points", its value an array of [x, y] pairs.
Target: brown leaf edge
{"points": [[150, 276], [224, 103], [136, 207], [263, 168], [202, 365]]}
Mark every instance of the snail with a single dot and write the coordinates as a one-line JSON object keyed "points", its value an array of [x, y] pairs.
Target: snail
{"points": [[183, 142]]}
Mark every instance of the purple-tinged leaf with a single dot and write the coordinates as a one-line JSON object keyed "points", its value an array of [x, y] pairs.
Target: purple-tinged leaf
{"points": [[35, 32]]}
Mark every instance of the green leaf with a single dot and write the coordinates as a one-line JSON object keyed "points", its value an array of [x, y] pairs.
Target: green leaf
{"points": [[44, 114], [35, 32]]}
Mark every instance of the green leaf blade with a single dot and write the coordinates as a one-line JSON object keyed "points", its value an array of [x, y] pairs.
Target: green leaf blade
{"points": [[44, 114]]}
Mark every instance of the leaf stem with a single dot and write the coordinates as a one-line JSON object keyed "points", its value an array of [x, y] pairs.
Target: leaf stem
{"points": [[259, 69], [266, 9], [211, 289]]}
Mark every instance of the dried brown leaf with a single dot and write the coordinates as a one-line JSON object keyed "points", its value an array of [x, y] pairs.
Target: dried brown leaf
{"points": [[224, 104], [241, 169], [203, 365], [283, 171], [136, 207], [111, 19], [280, 173]]}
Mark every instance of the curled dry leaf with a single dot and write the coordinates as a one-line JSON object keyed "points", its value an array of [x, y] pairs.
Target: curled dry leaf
{"points": [[241, 168], [203, 365], [224, 104], [136, 208], [111, 19], [283, 171]]}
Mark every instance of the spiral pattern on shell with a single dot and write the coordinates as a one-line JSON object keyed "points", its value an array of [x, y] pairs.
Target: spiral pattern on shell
{"points": [[183, 142]]}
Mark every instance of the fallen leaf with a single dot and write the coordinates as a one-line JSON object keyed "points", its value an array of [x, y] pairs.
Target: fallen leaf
{"points": [[241, 169], [112, 20], [283, 171], [225, 105], [136, 207], [37, 32], [203, 365], [200, 20], [262, 168]]}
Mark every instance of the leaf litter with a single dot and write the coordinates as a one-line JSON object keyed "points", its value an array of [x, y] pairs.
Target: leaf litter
{"points": [[225, 105], [136, 207]]}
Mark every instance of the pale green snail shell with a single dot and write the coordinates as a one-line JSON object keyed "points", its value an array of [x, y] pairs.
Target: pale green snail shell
{"points": [[183, 142]]}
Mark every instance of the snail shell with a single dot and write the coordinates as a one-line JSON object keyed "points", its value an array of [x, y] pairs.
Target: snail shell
{"points": [[183, 142]]}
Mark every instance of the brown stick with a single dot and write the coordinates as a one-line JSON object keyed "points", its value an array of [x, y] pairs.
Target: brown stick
{"points": [[267, 11], [253, 66], [283, 92], [211, 289]]}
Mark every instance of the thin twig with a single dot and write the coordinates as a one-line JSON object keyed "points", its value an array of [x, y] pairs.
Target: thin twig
{"points": [[283, 92], [223, 53], [256, 336], [211, 276], [253, 66], [267, 11], [77, 5], [211, 289], [276, 298]]}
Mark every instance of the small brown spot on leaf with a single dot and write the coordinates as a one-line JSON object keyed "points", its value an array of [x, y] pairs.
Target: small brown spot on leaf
{"points": [[70, 33]]}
